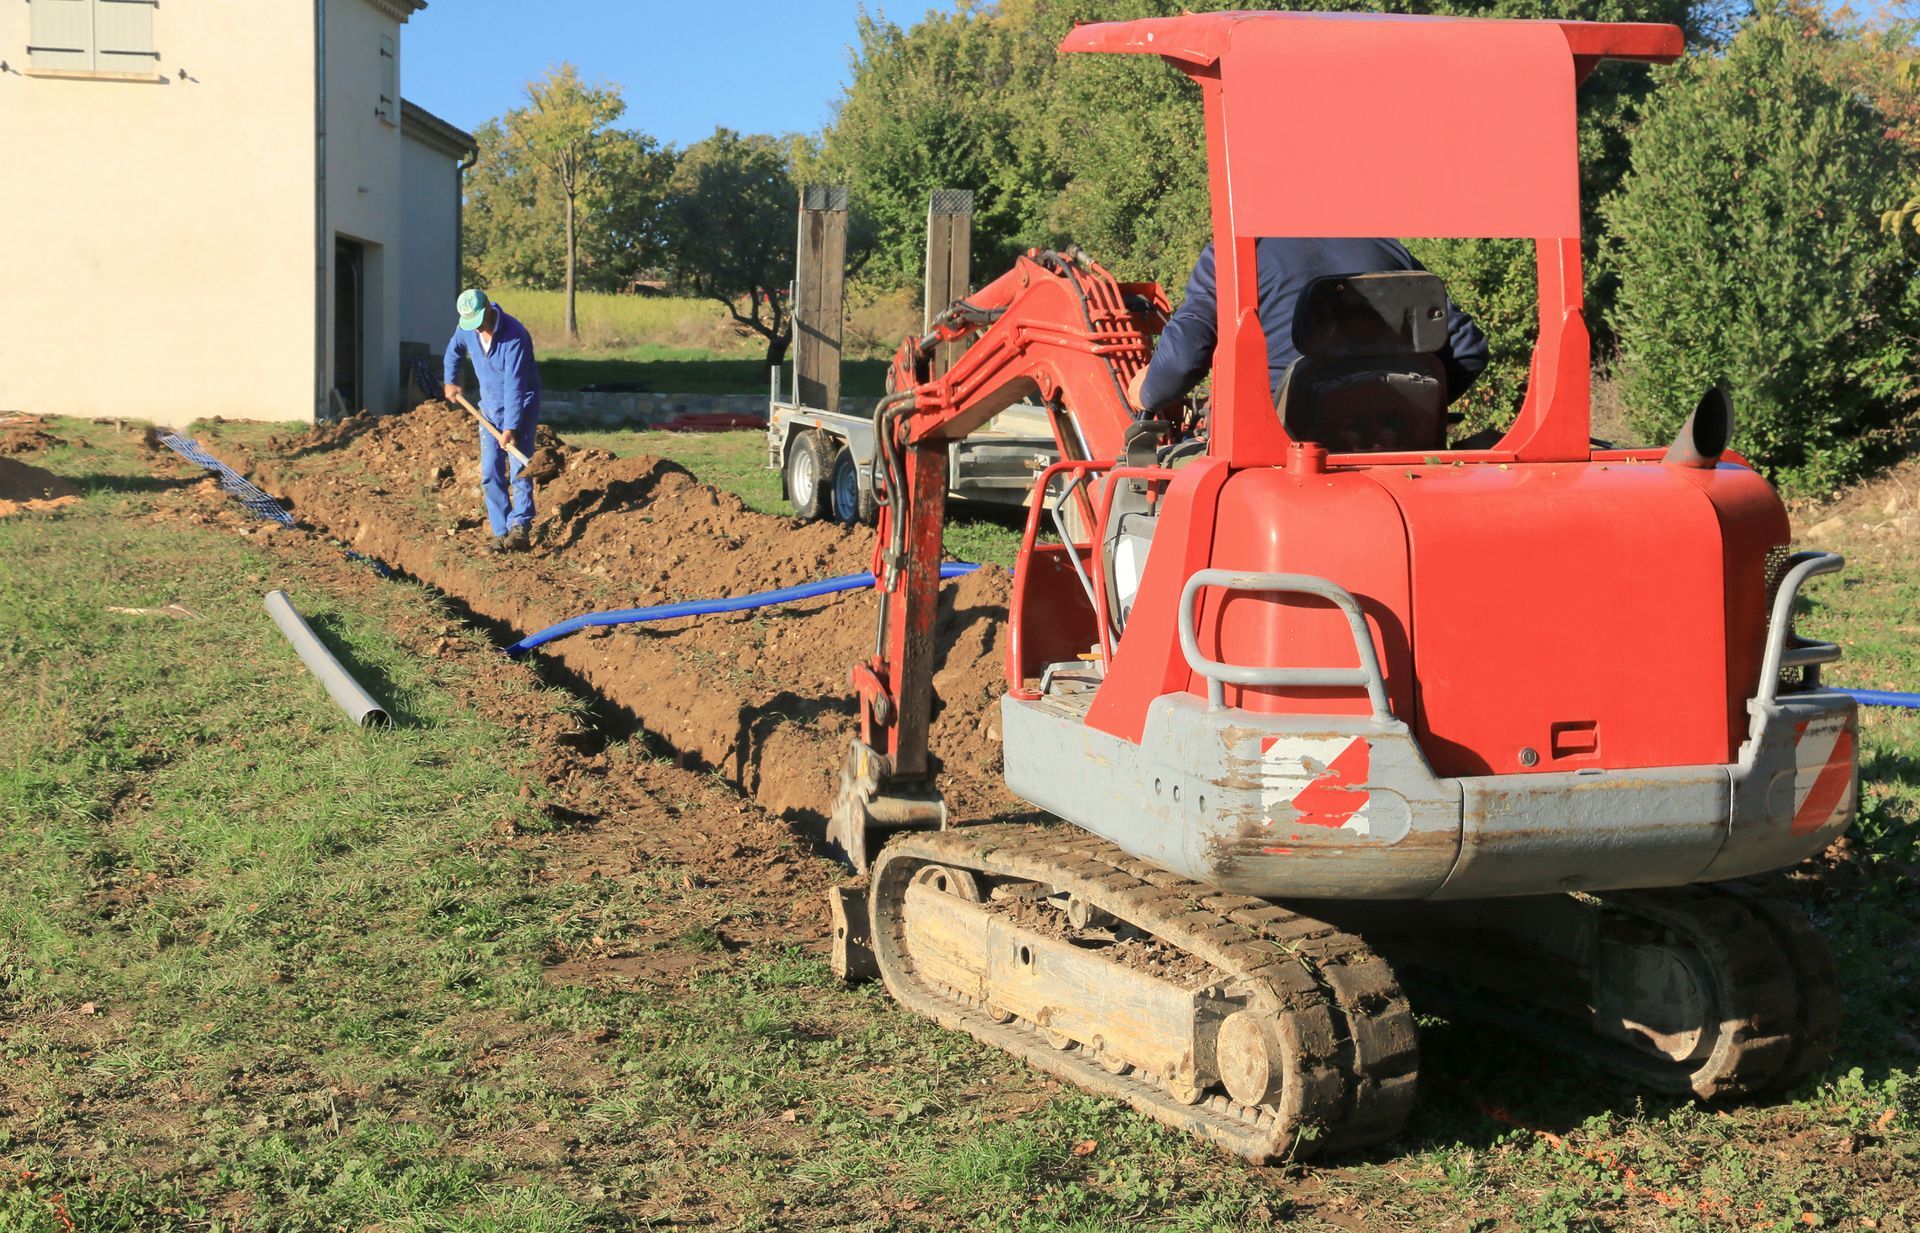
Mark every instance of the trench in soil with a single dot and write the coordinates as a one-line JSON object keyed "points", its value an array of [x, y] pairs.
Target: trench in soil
{"points": [[761, 698]]}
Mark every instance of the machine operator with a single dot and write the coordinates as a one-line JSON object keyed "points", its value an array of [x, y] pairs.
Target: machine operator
{"points": [[502, 354], [1286, 266]]}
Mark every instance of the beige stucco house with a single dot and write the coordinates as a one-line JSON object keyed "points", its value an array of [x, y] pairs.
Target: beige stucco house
{"points": [[221, 207]]}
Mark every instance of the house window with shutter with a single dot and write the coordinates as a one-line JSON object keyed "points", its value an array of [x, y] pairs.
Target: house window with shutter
{"points": [[109, 37], [388, 105]]}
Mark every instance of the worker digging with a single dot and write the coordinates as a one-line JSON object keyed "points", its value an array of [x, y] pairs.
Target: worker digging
{"points": [[501, 353]]}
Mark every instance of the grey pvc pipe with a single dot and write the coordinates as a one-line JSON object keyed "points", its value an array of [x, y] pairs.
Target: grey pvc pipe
{"points": [[359, 705]]}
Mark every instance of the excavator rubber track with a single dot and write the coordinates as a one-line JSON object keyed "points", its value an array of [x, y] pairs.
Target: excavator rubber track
{"points": [[1338, 1053], [1772, 1001]]}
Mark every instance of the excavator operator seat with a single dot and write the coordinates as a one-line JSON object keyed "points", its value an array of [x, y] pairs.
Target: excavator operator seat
{"points": [[1369, 377]]}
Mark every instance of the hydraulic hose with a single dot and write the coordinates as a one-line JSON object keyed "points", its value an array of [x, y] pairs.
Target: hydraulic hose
{"points": [[709, 607]]}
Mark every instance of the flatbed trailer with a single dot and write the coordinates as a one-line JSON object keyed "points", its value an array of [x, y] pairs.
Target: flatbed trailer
{"points": [[825, 459]]}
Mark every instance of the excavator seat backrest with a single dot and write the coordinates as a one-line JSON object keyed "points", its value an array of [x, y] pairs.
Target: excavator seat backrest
{"points": [[1369, 377]]}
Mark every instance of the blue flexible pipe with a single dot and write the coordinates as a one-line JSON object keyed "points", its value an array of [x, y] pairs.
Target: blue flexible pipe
{"points": [[855, 582], [708, 607], [1883, 697]]}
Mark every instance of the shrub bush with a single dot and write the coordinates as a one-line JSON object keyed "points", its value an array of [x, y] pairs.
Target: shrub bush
{"points": [[1747, 241]]}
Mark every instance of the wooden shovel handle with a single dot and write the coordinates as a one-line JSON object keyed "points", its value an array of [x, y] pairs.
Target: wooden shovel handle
{"points": [[506, 442]]}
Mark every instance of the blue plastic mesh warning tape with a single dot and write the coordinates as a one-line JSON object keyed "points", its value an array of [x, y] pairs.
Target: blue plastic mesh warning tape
{"points": [[257, 503]]}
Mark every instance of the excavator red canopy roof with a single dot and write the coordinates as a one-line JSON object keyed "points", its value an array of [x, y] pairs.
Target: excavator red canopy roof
{"points": [[1348, 124]]}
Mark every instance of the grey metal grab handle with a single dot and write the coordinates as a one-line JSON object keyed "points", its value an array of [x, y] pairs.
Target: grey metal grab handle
{"points": [[1218, 675], [1801, 566]]}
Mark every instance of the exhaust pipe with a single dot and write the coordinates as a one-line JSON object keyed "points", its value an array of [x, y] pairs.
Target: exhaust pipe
{"points": [[1706, 434]]}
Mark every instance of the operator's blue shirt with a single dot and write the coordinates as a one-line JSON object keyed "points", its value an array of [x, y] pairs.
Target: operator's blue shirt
{"points": [[509, 381], [1286, 265]]}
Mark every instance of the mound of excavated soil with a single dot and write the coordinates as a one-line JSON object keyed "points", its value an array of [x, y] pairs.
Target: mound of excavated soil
{"points": [[25, 436], [762, 697], [24, 488]]}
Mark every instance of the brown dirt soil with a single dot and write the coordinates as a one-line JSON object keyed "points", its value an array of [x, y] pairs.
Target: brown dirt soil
{"points": [[24, 435], [25, 489], [761, 697]]}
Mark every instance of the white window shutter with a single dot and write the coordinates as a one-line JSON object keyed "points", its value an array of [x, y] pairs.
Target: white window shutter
{"points": [[123, 36], [388, 106], [61, 36]]}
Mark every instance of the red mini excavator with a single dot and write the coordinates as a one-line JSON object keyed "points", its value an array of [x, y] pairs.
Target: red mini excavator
{"points": [[1324, 703]]}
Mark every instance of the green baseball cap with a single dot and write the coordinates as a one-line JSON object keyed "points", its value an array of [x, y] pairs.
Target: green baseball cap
{"points": [[472, 307]]}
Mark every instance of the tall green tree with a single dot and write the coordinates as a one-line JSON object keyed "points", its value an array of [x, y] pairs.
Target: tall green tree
{"points": [[624, 209], [729, 217], [515, 224], [509, 233], [564, 130], [950, 103], [1750, 251]]}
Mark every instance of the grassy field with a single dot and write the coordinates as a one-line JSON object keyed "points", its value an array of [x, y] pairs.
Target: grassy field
{"points": [[614, 322], [680, 345], [261, 972], [873, 325]]}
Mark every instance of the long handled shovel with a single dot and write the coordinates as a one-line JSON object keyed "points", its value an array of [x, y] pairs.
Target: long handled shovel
{"points": [[506, 442]]}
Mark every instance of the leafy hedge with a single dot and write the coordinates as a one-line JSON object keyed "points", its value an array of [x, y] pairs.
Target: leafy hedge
{"points": [[1749, 249]]}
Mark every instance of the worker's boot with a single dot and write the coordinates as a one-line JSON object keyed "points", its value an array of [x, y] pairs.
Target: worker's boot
{"points": [[519, 539], [497, 544]]}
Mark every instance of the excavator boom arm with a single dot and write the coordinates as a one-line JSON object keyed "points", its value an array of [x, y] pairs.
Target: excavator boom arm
{"points": [[1056, 329]]}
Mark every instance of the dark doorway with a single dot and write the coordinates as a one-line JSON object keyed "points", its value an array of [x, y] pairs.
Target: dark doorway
{"points": [[349, 317]]}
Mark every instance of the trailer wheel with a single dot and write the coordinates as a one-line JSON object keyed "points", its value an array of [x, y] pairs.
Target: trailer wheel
{"points": [[809, 466], [852, 503]]}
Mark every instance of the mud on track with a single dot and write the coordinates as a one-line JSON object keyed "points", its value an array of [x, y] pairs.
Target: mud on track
{"points": [[762, 697]]}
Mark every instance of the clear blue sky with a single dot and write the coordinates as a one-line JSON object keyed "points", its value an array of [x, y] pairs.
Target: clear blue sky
{"points": [[684, 66]]}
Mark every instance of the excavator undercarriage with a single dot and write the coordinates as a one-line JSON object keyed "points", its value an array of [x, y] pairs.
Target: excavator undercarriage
{"points": [[1270, 1033], [1282, 1030]]}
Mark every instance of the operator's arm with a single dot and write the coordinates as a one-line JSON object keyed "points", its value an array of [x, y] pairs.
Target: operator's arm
{"points": [[1465, 353], [450, 367], [521, 380], [1185, 350]]}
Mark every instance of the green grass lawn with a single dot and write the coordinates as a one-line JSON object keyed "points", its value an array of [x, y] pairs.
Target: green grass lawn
{"points": [[680, 345], [264, 972]]}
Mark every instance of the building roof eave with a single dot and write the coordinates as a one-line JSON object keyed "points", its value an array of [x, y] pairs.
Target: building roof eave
{"points": [[399, 10], [417, 122]]}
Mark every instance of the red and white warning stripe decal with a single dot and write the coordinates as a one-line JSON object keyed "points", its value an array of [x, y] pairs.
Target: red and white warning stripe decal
{"points": [[1316, 781], [1823, 785]]}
